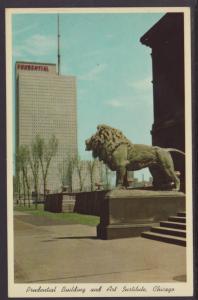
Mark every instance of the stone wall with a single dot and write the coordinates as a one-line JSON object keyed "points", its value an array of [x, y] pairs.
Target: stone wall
{"points": [[88, 203]]}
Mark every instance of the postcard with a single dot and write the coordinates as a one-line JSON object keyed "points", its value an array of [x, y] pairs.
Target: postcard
{"points": [[99, 152]]}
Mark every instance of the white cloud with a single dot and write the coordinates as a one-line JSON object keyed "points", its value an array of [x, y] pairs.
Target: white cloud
{"points": [[82, 92], [36, 45], [116, 103], [130, 102], [17, 52], [120, 102], [65, 68], [93, 53], [142, 84], [93, 73], [26, 28], [109, 36]]}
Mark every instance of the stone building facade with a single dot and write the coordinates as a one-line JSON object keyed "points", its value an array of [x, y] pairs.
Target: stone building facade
{"points": [[166, 39]]}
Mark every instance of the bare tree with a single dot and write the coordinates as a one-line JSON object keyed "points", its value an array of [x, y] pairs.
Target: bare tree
{"points": [[107, 175], [17, 183], [34, 165], [22, 159], [46, 151], [91, 168], [79, 165], [66, 169], [70, 171], [62, 170]]}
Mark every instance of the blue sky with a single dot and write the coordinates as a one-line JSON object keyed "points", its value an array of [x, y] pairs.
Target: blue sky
{"points": [[113, 69]]}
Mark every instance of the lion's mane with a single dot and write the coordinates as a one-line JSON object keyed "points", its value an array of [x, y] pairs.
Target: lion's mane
{"points": [[105, 141]]}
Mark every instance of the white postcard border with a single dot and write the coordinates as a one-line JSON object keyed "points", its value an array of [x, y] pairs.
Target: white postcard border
{"points": [[136, 289]]}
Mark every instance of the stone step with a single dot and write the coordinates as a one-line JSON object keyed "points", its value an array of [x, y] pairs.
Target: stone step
{"points": [[68, 205], [173, 225], [164, 238], [169, 231], [177, 219], [181, 214], [69, 202]]}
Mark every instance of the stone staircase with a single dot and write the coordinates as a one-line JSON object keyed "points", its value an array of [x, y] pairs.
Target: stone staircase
{"points": [[68, 203], [172, 231]]}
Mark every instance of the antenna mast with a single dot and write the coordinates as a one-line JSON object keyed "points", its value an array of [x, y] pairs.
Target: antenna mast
{"points": [[58, 45]]}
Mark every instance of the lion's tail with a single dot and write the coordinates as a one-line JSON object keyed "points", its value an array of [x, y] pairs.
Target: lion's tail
{"points": [[175, 150]]}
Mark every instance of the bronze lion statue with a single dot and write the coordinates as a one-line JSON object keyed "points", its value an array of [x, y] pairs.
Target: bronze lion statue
{"points": [[120, 155]]}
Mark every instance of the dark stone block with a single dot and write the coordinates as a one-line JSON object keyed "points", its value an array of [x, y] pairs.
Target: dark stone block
{"points": [[53, 203]]}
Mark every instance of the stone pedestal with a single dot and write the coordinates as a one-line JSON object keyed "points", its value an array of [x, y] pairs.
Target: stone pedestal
{"points": [[127, 213]]}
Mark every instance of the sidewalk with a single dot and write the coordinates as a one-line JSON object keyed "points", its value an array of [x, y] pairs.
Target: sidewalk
{"points": [[67, 253]]}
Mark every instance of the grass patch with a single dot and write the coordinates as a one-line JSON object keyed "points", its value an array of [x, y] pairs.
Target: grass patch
{"points": [[65, 216]]}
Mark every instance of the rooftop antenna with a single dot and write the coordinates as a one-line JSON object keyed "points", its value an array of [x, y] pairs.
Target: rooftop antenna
{"points": [[58, 25]]}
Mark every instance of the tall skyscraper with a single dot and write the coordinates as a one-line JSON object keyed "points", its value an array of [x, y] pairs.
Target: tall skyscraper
{"points": [[46, 106]]}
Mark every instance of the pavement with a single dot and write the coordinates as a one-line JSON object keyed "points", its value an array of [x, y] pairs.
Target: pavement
{"points": [[55, 252]]}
